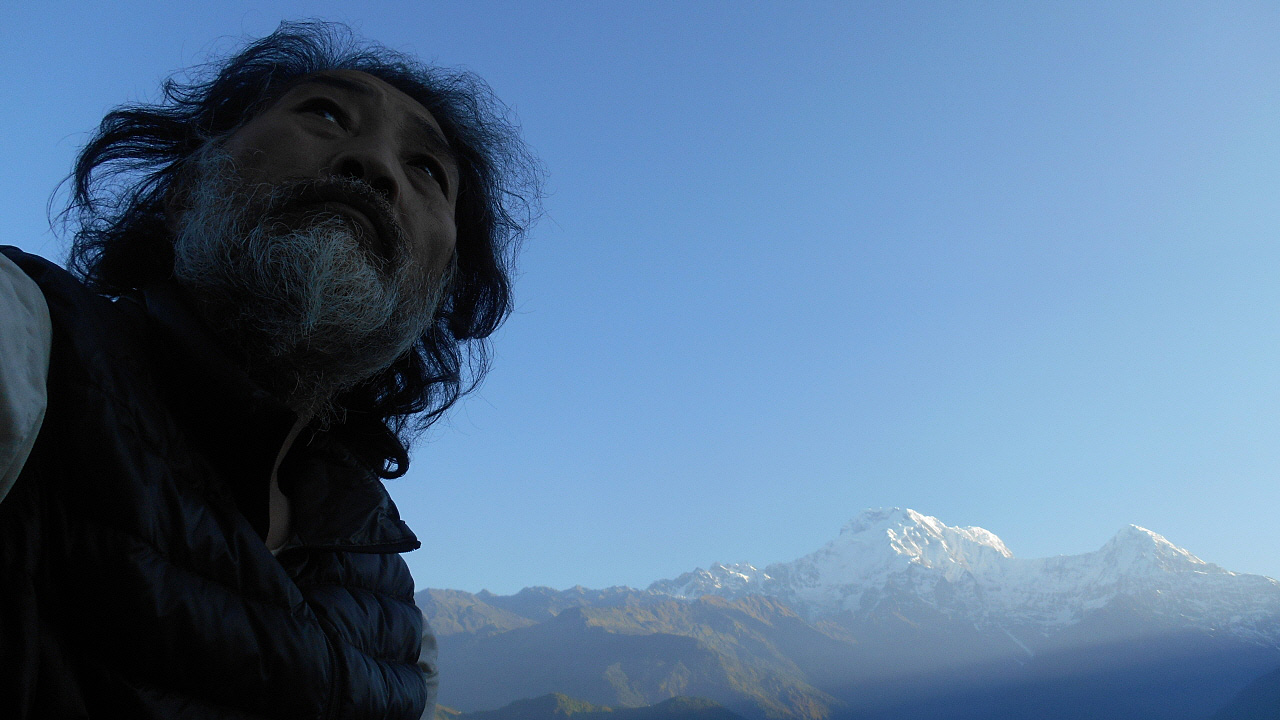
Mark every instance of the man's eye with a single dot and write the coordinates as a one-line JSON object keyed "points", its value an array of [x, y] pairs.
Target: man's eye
{"points": [[326, 109], [425, 166], [432, 169]]}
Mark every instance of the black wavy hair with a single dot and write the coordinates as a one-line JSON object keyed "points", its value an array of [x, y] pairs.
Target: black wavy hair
{"points": [[124, 175]]}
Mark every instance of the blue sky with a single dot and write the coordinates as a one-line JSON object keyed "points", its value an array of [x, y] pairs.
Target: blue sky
{"points": [[1010, 264]]}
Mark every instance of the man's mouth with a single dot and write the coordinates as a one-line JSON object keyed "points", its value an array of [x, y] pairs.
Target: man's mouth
{"points": [[367, 231], [375, 229]]}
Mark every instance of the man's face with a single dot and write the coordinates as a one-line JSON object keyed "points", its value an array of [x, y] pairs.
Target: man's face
{"points": [[348, 124], [317, 238]]}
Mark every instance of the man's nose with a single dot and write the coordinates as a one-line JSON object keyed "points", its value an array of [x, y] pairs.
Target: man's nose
{"points": [[367, 164]]}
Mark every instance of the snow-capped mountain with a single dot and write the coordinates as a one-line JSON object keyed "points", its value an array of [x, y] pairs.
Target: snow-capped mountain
{"points": [[899, 616], [898, 557]]}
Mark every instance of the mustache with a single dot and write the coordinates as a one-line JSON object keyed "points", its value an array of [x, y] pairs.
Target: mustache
{"points": [[283, 201]]}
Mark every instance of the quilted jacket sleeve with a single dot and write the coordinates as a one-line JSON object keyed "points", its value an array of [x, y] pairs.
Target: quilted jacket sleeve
{"points": [[25, 338]]}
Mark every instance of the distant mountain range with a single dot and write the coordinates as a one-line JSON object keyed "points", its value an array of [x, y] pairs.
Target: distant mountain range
{"points": [[898, 614]]}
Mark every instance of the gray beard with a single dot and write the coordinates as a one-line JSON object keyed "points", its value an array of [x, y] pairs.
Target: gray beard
{"points": [[309, 310]]}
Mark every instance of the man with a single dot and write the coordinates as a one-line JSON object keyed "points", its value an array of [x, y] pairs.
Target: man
{"points": [[282, 272]]}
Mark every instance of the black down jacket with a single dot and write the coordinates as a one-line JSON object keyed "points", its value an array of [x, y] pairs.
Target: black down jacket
{"points": [[134, 581]]}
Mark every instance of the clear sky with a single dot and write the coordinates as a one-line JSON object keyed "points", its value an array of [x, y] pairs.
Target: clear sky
{"points": [[1010, 264]]}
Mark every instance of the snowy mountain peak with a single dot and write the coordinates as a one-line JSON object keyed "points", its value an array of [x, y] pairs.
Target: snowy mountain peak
{"points": [[1138, 535], [720, 579], [881, 544], [877, 519], [895, 557], [1137, 549], [922, 539]]}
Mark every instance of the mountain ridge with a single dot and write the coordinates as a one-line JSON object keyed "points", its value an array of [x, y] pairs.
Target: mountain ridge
{"points": [[899, 614], [968, 571]]}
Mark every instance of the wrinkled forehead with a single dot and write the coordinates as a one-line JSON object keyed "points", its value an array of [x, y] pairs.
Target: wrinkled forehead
{"points": [[376, 94]]}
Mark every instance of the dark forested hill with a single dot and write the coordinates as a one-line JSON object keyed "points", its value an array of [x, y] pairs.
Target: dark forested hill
{"points": [[557, 706]]}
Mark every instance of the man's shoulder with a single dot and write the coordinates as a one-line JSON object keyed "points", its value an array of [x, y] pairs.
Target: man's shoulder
{"points": [[67, 297], [69, 300], [25, 342], [94, 339], [34, 266], [19, 290]]}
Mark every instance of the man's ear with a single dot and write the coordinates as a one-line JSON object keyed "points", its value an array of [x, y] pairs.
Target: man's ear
{"points": [[172, 211], [177, 197]]}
